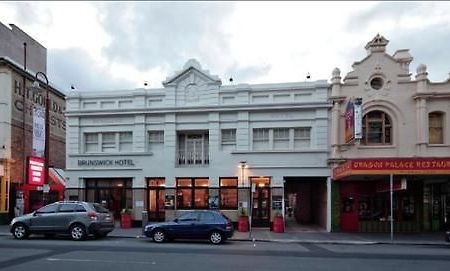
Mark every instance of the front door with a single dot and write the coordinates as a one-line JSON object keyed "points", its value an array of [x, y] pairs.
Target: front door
{"points": [[261, 202], [156, 198]]}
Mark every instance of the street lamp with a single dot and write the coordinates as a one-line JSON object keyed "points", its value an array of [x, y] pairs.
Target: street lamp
{"points": [[36, 88]]}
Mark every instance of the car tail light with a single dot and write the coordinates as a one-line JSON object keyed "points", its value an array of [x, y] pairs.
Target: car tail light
{"points": [[229, 226], [92, 216]]}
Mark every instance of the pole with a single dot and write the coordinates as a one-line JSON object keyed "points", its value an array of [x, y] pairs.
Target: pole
{"points": [[392, 206]]}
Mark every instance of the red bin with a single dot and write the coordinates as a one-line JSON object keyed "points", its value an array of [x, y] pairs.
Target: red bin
{"points": [[243, 224], [125, 221], [278, 224]]}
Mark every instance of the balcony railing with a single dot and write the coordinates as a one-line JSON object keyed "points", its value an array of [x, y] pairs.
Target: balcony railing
{"points": [[192, 158]]}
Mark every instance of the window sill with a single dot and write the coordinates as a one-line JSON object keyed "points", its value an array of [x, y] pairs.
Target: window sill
{"points": [[438, 145], [377, 147], [282, 151]]}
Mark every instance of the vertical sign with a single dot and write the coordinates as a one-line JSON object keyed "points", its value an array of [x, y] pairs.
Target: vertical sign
{"points": [[349, 122], [358, 118], [36, 174], [38, 131]]}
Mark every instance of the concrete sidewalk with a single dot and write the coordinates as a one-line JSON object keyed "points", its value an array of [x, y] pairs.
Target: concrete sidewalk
{"points": [[314, 237]]}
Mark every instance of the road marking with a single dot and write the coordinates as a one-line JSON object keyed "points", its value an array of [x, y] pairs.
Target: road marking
{"points": [[99, 261]]}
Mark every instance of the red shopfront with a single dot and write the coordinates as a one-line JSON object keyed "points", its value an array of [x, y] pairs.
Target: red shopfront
{"points": [[36, 196], [421, 198]]}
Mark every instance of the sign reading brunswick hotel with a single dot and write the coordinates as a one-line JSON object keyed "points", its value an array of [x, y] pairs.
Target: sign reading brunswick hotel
{"points": [[386, 166], [106, 162]]}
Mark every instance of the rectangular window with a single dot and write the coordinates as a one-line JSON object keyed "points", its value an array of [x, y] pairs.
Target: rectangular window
{"points": [[281, 138], [192, 193], [155, 141], [108, 142], [228, 193], [193, 149], [228, 136], [435, 123], [125, 141], [261, 139], [302, 137], [156, 137], [91, 142]]}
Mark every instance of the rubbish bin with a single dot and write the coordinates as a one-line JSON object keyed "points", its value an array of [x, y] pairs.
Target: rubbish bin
{"points": [[144, 220]]}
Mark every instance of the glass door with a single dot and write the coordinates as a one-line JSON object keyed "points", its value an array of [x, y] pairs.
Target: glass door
{"points": [[156, 197], [261, 202]]}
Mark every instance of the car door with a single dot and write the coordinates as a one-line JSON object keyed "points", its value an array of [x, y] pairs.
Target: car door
{"points": [[43, 218], [185, 225], [64, 216], [206, 224]]}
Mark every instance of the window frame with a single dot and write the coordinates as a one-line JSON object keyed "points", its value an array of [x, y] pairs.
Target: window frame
{"points": [[385, 127], [223, 188], [438, 130], [193, 188]]}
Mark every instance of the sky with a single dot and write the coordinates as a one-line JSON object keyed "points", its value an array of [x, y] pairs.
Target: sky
{"points": [[104, 45]]}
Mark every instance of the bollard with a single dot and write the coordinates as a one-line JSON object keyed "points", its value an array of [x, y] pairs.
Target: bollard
{"points": [[144, 220]]}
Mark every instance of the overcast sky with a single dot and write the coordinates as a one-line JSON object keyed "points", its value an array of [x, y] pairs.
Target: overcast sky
{"points": [[120, 45]]}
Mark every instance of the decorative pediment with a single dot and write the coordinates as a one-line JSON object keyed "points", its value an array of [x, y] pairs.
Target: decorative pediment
{"points": [[192, 74], [377, 44]]}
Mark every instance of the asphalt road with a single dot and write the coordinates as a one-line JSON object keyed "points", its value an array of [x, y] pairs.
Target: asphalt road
{"points": [[39, 254]]}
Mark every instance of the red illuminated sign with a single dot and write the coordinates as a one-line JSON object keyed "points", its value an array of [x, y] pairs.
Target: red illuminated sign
{"points": [[386, 166], [36, 173]]}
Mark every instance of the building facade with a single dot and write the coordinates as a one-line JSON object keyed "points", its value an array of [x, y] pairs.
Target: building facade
{"points": [[386, 124], [17, 100], [198, 144]]}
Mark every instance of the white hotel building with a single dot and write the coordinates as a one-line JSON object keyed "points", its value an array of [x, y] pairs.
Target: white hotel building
{"points": [[198, 144]]}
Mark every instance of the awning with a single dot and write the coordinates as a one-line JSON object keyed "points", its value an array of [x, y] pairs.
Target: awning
{"points": [[396, 166], [56, 175]]}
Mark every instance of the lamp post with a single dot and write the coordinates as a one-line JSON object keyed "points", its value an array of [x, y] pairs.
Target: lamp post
{"points": [[37, 89]]}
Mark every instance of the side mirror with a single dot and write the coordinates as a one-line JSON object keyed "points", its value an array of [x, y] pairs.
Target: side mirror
{"points": [[35, 213], [175, 220]]}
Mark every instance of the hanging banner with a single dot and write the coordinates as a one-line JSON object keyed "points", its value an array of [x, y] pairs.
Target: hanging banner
{"points": [[38, 131], [349, 122], [357, 109]]}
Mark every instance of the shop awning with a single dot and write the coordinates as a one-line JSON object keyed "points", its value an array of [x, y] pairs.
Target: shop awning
{"points": [[57, 176], [396, 166]]}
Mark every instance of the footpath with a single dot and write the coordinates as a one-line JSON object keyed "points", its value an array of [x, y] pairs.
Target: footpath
{"points": [[311, 237]]}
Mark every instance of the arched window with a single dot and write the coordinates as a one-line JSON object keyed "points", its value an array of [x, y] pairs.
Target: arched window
{"points": [[377, 129], [436, 128]]}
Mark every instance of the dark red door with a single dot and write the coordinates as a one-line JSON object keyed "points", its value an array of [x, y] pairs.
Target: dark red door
{"points": [[349, 209]]}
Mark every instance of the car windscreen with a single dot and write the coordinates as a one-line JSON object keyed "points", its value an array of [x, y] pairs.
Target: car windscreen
{"points": [[100, 209]]}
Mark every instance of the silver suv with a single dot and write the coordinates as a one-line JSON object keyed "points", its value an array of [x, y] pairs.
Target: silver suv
{"points": [[77, 218]]}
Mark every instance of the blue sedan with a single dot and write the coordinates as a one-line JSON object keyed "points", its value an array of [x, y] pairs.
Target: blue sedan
{"points": [[202, 224]]}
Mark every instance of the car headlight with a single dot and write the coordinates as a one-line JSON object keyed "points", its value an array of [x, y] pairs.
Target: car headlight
{"points": [[149, 227]]}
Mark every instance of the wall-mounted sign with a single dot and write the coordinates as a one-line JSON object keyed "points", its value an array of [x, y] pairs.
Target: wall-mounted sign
{"points": [[36, 171], [106, 162], [398, 166]]}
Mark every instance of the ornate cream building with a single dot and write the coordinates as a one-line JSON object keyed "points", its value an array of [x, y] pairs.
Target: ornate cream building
{"points": [[404, 131]]}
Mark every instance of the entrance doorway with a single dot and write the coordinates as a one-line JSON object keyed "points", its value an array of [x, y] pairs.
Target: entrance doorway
{"points": [[305, 203], [156, 198], [260, 201], [114, 194]]}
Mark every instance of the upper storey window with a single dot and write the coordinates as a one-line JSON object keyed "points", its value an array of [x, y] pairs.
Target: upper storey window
{"points": [[435, 128], [377, 129]]}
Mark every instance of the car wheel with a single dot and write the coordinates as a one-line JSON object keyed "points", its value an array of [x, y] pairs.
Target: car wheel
{"points": [[216, 237], [77, 232], [158, 236], [20, 231]]}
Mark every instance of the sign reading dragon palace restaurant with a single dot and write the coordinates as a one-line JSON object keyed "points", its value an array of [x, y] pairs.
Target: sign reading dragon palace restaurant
{"points": [[386, 166]]}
